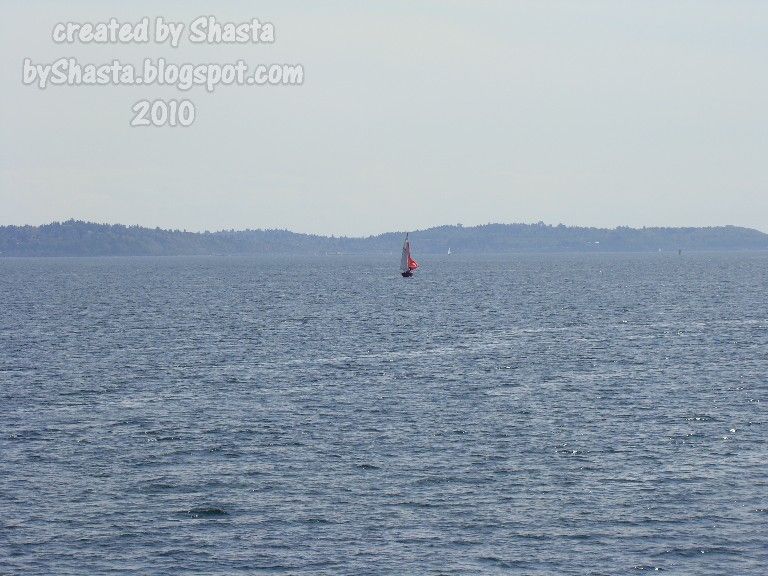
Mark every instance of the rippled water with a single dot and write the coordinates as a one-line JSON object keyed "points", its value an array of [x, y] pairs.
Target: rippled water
{"points": [[600, 414]]}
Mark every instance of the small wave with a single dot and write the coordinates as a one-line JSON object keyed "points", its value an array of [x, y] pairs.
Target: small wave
{"points": [[701, 418], [412, 504], [156, 487], [501, 563], [693, 551], [205, 512], [316, 520]]}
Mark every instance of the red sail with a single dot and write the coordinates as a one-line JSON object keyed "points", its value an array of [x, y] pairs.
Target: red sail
{"points": [[412, 264]]}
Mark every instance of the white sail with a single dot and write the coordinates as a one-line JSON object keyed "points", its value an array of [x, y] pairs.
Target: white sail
{"points": [[406, 255]]}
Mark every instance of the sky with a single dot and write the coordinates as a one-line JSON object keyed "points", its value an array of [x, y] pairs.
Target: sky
{"points": [[411, 114]]}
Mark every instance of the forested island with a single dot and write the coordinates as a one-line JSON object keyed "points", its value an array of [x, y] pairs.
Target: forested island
{"points": [[78, 238]]}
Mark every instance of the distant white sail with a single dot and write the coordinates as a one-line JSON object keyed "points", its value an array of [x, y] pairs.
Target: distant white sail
{"points": [[406, 255], [407, 263]]}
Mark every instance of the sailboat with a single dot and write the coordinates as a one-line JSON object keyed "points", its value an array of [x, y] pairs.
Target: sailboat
{"points": [[407, 264], [449, 250]]}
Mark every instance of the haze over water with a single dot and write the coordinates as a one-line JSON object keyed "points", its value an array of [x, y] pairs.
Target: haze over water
{"points": [[548, 414]]}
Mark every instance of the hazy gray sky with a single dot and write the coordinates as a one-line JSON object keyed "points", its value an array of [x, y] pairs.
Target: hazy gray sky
{"points": [[412, 114]]}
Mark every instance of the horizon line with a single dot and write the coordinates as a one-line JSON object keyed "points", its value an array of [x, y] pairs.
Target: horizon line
{"points": [[404, 231]]}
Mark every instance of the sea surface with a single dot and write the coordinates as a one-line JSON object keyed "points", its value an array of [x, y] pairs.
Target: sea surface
{"points": [[528, 414]]}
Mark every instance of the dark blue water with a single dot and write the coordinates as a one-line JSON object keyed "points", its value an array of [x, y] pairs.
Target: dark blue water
{"points": [[600, 414]]}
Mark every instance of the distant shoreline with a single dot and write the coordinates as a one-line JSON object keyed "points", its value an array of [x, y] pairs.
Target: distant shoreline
{"points": [[485, 256], [80, 239]]}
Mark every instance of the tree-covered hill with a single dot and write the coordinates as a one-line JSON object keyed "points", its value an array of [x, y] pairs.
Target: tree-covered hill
{"points": [[77, 238]]}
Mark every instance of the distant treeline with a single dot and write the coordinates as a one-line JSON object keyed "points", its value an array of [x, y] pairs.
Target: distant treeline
{"points": [[77, 238]]}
